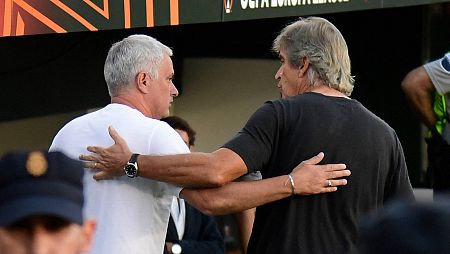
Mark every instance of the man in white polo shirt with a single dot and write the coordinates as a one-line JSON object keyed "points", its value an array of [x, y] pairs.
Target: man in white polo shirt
{"points": [[132, 213]]}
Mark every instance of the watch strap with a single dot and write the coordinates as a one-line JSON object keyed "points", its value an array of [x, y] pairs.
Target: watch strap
{"points": [[133, 158]]}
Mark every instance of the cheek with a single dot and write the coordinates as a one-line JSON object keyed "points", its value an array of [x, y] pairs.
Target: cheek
{"points": [[13, 241], [69, 240]]}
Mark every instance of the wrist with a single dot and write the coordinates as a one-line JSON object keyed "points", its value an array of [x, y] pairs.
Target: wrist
{"points": [[290, 184], [131, 168]]}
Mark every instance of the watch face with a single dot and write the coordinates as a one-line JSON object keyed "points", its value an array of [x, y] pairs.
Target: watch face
{"points": [[130, 170]]}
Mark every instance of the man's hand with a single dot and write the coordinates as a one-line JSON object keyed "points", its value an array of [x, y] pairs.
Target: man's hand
{"points": [[310, 178], [109, 161]]}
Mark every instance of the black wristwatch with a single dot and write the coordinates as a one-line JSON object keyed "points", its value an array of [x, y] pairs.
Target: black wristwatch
{"points": [[131, 169]]}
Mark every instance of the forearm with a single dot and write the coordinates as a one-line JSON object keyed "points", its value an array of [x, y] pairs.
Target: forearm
{"points": [[245, 221], [194, 169], [422, 104], [238, 196]]}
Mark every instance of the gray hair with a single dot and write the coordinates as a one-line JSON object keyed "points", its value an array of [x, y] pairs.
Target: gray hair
{"points": [[134, 54], [324, 46]]}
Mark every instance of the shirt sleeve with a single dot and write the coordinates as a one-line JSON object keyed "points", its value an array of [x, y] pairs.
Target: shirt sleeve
{"points": [[253, 176], [166, 141], [439, 73], [400, 185], [254, 143]]}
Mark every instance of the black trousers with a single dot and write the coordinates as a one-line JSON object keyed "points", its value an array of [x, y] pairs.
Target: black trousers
{"points": [[439, 164]]}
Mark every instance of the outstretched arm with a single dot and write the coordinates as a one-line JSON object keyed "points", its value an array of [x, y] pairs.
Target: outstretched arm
{"points": [[196, 169], [193, 169], [419, 89], [308, 177]]}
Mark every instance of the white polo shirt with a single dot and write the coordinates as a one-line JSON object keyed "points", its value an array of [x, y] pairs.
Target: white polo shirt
{"points": [[131, 213]]}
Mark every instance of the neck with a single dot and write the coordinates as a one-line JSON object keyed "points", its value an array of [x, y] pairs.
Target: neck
{"points": [[327, 91], [133, 102]]}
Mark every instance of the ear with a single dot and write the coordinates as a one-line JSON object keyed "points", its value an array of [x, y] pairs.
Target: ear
{"points": [[143, 82], [89, 228], [303, 67]]}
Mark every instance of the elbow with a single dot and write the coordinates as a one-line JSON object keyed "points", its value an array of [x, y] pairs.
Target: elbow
{"points": [[208, 211], [216, 179], [208, 201], [217, 174], [407, 84], [213, 207]]}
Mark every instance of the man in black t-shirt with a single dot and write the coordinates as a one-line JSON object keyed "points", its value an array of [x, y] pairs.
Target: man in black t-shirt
{"points": [[315, 114]]}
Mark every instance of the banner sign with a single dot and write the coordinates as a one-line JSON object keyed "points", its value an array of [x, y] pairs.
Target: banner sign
{"points": [[259, 9], [26, 17]]}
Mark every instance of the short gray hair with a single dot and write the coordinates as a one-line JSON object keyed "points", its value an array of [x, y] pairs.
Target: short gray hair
{"points": [[324, 46], [134, 54]]}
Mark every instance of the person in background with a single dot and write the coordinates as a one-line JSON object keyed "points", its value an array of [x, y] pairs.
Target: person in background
{"points": [[408, 228], [314, 115], [427, 89], [244, 219], [189, 230], [41, 202]]}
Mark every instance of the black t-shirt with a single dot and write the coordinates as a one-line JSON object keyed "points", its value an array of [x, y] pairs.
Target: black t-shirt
{"points": [[284, 132]]}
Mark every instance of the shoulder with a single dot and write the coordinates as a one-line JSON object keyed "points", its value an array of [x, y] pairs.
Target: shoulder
{"points": [[165, 140]]}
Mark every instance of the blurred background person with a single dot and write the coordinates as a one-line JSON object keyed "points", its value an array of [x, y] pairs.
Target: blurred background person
{"points": [[427, 90], [189, 230], [236, 228], [415, 228], [41, 202]]}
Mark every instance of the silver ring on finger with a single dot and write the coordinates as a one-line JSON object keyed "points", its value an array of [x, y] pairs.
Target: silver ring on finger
{"points": [[330, 184], [95, 165]]}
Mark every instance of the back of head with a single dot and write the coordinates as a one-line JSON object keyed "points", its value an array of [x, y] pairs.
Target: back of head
{"points": [[408, 228], [179, 123], [36, 183], [134, 54], [325, 47]]}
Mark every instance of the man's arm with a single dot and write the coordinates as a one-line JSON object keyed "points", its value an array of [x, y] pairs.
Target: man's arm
{"points": [[419, 89], [194, 169], [245, 221], [308, 177]]}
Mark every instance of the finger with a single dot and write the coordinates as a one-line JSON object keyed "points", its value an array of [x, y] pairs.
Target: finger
{"points": [[88, 157], [335, 167], [339, 182], [338, 174], [91, 165], [101, 176], [329, 189], [95, 149], [316, 159], [115, 135]]}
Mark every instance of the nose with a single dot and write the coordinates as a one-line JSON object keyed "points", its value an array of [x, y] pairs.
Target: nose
{"points": [[278, 77], [278, 74], [42, 241], [173, 91]]}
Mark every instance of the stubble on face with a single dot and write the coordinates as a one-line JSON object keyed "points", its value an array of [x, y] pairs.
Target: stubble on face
{"points": [[292, 80], [287, 77], [164, 90]]}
